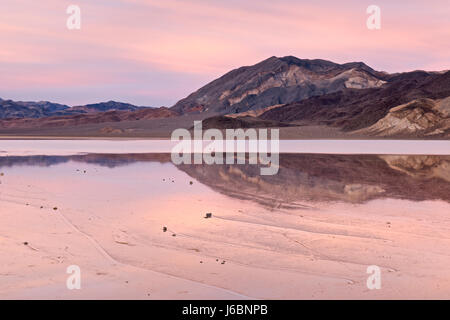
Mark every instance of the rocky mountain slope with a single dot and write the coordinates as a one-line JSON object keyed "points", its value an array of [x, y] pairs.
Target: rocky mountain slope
{"points": [[404, 99], [418, 117], [353, 97], [278, 81]]}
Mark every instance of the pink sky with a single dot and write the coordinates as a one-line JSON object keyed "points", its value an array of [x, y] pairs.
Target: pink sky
{"points": [[155, 52]]}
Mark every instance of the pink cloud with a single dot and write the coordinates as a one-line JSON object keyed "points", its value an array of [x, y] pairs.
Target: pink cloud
{"points": [[122, 39]]}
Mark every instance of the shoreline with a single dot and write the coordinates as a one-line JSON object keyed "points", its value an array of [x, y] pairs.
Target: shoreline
{"points": [[153, 138], [67, 147]]}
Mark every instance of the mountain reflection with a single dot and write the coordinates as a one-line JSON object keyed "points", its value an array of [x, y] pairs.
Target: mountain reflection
{"points": [[302, 178]]}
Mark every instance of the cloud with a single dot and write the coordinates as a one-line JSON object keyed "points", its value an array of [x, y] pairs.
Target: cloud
{"points": [[141, 45]]}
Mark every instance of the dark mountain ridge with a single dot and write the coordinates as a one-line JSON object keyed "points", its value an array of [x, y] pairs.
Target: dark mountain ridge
{"points": [[353, 109], [278, 81]]}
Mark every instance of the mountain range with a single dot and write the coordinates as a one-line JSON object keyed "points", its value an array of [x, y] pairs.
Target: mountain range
{"points": [[286, 92], [21, 109]]}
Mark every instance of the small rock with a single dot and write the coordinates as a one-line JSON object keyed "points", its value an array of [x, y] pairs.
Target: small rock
{"points": [[208, 216], [174, 235], [164, 229], [191, 183], [55, 208], [25, 243]]}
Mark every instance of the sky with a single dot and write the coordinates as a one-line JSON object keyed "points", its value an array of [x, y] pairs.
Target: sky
{"points": [[155, 52]]}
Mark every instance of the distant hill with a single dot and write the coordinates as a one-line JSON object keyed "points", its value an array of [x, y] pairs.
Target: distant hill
{"points": [[89, 118], [107, 106], [20, 109], [357, 109]]}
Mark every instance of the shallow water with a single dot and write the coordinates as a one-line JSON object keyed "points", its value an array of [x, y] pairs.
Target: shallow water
{"points": [[317, 224], [70, 147]]}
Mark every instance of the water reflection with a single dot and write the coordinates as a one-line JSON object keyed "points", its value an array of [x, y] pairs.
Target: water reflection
{"points": [[301, 178]]}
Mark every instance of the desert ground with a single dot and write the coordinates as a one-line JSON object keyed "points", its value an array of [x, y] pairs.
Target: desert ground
{"points": [[163, 128], [109, 221]]}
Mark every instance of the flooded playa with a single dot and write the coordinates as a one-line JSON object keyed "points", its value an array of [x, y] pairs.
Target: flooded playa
{"points": [[137, 226]]}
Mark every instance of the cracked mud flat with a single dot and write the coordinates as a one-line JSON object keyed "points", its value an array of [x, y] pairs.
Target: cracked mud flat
{"points": [[111, 210]]}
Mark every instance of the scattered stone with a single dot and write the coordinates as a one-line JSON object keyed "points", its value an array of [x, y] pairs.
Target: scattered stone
{"points": [[123, 242], [30, 246], [201, 261], [174, 235], [208, 216], [55, 208], [191, 183], [164, 229], [223, 262]]}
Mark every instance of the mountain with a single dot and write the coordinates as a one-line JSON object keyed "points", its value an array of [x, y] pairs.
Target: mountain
{"points": [[351, 109], [305, 98], [278, 81], [89, 118], [20, 109], [352, 97], [106, 106]]}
